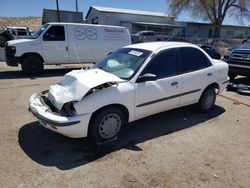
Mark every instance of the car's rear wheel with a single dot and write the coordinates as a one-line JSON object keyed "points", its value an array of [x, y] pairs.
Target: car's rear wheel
{"points": [[207, 100], [32, 65], [106, 124]]}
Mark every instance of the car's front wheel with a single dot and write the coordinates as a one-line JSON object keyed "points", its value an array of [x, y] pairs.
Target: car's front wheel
{"points": [[207, 100], [106, 124]]}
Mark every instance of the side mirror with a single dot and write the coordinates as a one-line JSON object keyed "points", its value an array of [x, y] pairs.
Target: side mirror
{"points": [[146, 77]]}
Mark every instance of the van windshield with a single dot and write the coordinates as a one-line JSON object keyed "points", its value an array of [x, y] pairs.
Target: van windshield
{"points": [[123, 63], [39, 31]]}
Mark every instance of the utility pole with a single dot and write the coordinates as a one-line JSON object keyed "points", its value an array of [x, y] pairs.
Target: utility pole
{"points": [[76, 6], [57, 10]]}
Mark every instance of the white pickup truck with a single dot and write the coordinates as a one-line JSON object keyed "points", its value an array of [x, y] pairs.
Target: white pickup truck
{"points": [[148, 36], [65, 43], [19, 32]]}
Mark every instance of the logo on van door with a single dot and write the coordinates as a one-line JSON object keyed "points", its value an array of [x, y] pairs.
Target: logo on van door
{"points": [[91, 33], [80, 33]]}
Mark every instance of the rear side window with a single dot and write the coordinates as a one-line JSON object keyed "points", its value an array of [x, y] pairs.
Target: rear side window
{"points": [[164, 64], [21, 32], [193, 59], [54, 33]]}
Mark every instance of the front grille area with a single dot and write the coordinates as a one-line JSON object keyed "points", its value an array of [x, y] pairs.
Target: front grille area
{"points": [[241, 55]]}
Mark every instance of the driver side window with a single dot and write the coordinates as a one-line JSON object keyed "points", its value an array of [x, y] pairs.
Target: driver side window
{"points": [[54, 33], [163, 65]]}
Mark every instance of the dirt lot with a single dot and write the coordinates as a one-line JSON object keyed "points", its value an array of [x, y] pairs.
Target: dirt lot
{"points": [[179, 148]]}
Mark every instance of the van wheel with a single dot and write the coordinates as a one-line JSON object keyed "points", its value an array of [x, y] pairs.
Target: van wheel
{"points": [[106, 124], [32, 65], [207, 100]]}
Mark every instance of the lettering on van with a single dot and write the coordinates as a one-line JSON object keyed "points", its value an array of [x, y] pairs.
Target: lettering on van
{"points": [[91, 33], [82, 33], [114, 34]]}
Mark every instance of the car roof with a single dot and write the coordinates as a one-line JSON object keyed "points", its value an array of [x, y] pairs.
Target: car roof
{"points": [[152, 46]]}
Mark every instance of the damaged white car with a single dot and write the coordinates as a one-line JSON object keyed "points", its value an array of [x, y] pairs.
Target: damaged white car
{"points": [[134, 82]]}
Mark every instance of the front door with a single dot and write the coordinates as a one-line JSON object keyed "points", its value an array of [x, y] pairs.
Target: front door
{"points": [[164, 93], [55, 45]]}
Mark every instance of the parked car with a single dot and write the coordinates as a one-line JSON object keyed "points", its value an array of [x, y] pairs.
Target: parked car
{"points": [[211, 51], [65, 43], [131, 83], [148, 36], [238, 59], [19, 32]]}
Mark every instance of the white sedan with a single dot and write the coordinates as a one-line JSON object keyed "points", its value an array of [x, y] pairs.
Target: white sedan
{"points": [[131, 83]]}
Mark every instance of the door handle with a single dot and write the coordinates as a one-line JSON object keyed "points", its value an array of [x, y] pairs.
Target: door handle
{"points": [[174, 83], [209, 74], [67, 48]]}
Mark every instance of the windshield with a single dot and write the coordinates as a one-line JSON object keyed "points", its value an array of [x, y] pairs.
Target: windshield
{"points": [[39, 31], [123, 63]]}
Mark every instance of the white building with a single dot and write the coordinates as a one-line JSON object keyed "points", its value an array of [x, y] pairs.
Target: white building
{"points": [[136, 20]]}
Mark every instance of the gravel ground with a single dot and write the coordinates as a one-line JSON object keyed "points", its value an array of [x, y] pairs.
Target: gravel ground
{"points": [[178, 148]]}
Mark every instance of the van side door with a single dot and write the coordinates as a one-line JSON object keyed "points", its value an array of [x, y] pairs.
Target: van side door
{"points": [[55, 45]]}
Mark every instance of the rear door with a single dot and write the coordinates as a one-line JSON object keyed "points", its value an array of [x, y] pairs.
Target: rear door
{"points": [[197, 72], [55, 45], [162, 94]]}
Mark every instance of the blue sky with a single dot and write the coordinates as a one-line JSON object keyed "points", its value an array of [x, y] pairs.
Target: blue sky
{"points": [[23, 8]]}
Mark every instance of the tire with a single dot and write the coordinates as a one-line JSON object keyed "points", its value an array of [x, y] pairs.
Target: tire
{"points": [[207, 100], [232, 76], [106, 124], [32, 65], [2, 41]]}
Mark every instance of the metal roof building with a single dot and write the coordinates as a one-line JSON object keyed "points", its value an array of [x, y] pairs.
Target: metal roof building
{"points": [[134, 20]]}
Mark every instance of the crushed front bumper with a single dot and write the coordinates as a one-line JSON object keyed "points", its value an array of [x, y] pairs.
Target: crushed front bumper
{"points": [[73, 126]]}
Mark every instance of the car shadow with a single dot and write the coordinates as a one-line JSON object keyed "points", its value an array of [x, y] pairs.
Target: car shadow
{"points": [[46, 73], [51, 149]]}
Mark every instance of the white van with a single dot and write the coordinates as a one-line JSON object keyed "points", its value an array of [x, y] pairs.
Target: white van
{"points": [[65, 43]]}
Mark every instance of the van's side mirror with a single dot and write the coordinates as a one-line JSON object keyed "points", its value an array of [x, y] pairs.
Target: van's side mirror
{"points": [[146, 77]]}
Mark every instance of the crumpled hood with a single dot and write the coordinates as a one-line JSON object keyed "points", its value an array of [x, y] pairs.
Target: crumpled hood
{"points": [[77, 83]]}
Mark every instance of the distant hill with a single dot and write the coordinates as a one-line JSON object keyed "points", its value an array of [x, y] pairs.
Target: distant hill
{"points": [[31, 22]]}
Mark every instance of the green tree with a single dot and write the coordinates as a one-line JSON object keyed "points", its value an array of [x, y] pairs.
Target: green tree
{"points": [[212, 10]]}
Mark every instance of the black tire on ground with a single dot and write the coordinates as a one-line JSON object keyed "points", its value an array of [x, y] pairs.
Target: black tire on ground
{"points": [[232, 76], [2, 41], [207, 100], [106, 124], [32, 65]]}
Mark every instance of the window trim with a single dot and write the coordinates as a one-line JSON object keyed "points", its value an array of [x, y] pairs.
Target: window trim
{"points": [[155, 56], [181, 61]]}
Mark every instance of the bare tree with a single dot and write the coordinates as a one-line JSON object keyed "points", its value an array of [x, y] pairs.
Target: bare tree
{"points": [[213, 10]]}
